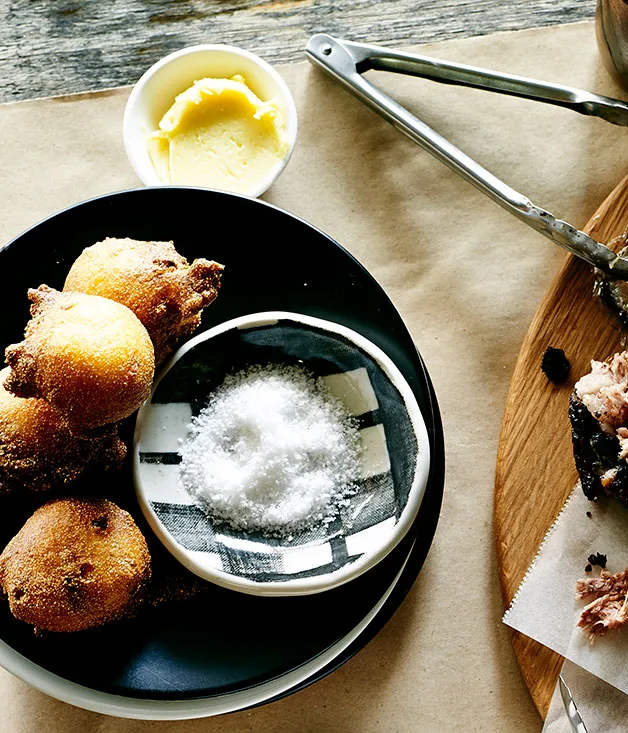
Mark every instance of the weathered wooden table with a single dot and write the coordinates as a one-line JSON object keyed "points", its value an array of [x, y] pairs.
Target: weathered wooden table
{"points": [[53, 47]]}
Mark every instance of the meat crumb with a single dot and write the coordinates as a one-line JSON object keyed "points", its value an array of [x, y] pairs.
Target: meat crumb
{"points": [[589, 515], [609, 607], [597, 559], [588, 568], [555, 365]]}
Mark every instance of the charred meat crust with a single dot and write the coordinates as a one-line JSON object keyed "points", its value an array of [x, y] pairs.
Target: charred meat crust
{"points": [[555, 365], [596, 454], [586, 436], [608, 291]]}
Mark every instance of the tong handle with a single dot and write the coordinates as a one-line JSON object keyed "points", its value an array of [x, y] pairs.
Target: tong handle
{"points": [[342, 60], [447, 72]]}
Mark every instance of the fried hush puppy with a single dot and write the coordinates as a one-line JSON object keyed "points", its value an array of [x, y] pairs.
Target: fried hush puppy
{"points": [[37, 449], [89, 357], [75, 564], [152, 279]]}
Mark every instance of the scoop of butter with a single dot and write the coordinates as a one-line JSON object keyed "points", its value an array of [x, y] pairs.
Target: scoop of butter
{"points": [[219, 134]]}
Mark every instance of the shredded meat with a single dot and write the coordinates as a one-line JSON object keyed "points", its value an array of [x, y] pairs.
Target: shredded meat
{"points": [[609, 607], [622, 435], [604, 391]]}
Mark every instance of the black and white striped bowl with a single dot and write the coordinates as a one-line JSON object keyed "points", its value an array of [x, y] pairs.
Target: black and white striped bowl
{"points": [[394, 465]]}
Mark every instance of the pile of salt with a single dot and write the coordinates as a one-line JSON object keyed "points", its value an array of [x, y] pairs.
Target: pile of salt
{"points": [[273, 452]]}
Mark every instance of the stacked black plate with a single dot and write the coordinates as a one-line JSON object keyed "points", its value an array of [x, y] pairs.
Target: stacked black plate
{"points": [[221, 650]]}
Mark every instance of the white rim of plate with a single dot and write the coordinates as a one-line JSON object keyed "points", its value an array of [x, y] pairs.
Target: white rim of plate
{"points": [[143, 709], [327, 581]]}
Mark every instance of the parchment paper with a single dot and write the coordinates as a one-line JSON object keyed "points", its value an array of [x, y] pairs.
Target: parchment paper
{"points": [[545, 607], [602, 706], [467, 278]]}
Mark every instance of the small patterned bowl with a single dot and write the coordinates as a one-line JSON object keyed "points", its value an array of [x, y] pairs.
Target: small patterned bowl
{"points": [[395, 456]]}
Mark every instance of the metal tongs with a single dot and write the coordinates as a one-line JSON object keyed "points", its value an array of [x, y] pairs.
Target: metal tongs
{"points": [[575, 719], [346, 61]]}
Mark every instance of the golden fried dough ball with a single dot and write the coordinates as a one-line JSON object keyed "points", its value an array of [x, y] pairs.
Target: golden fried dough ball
{"points": [[74, 565], [152, 279], [37, 449], [89, 357]]}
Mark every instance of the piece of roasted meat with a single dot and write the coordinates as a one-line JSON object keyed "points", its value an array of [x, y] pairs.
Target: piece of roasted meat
{"points": [[598, 411], [164, 291], [608, 602], [89, 357]]}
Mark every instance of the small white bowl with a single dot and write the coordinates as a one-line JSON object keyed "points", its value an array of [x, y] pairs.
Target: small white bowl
{"points": [[395, 459], [156, 90]]}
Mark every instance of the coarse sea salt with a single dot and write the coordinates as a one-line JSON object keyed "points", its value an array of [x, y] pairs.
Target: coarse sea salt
{"points": [[272, 452]]}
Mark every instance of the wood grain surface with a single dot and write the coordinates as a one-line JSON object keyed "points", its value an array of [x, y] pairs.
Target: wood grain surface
{"points": [[63, 46], [535, 467]]}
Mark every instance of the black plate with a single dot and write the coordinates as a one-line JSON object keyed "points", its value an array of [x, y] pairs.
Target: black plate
{"points": [[222, 641]]}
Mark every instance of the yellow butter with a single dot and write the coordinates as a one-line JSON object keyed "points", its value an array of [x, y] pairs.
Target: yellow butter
{"points": [[219, 134]]}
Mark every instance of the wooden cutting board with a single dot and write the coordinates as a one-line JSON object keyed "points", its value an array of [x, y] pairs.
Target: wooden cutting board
{"points": [[535, 469]]}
